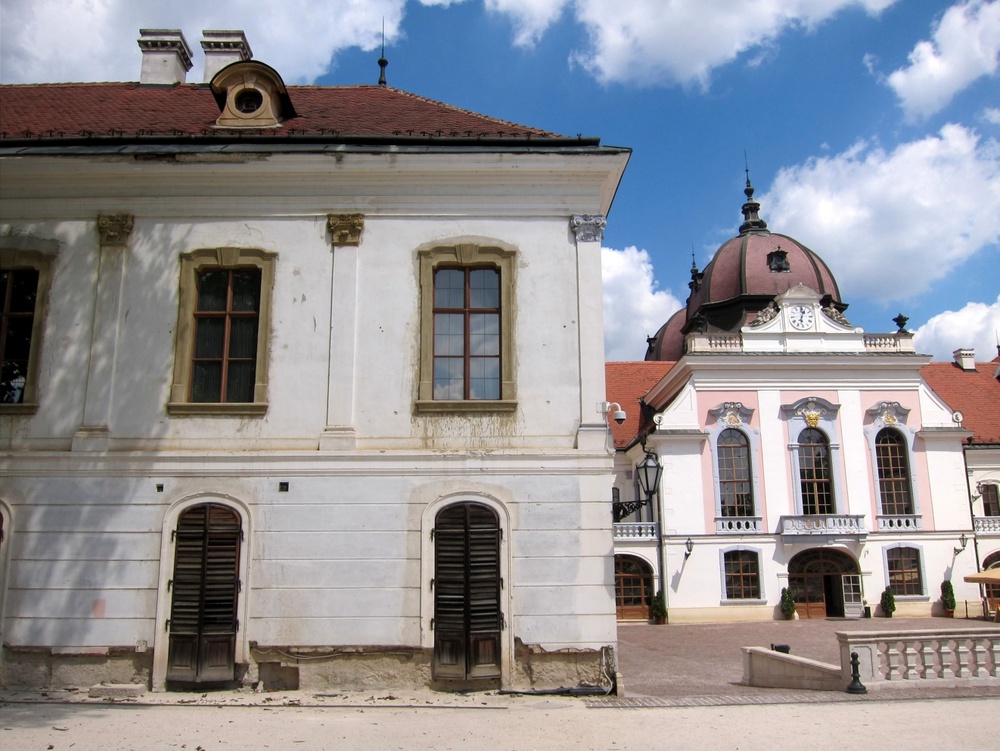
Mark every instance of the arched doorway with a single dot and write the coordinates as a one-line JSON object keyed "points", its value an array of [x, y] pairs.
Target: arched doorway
{"points": [[204, 595], [825, 584], [633, 588], [467, 615]]}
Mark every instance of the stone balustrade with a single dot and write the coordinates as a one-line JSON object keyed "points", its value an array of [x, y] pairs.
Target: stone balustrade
{"points": [[897, 342], [900, 522], [986, 524], [921, 655], [823, 524], [737, 525], [637, 531]]}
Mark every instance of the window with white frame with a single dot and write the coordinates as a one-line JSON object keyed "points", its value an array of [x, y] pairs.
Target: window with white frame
{"points": [[904, 571], [734, 459], [815, 455], [890, 443], [991, 499], [741, 574]]}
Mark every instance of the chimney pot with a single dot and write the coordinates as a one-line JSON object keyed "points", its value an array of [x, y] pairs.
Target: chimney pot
{"points": [[965, 358], [223, 47], [166, 56]]}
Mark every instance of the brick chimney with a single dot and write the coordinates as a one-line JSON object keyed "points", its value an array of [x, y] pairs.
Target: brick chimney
{"points": [[166, 57], [965, 358], [222, 48]]}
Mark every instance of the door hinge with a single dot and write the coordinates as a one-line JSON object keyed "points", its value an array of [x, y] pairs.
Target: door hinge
{"points": [[166, 625], [432, 585], [503, 622], [432, 533], [501, 582], [432, 624], [170, 584], [239, 585], [241, 535], [173, 535], [237, 623]]}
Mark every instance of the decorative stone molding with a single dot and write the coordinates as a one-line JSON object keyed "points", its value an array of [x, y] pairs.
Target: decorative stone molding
{"points": [[115, 229], [835, 315], [767, 314], [888, 414], [345, 229], [732, 414], [588, 228]]}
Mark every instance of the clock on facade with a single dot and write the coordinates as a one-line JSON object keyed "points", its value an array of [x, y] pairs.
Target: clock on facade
{"points": [[800, 316]]}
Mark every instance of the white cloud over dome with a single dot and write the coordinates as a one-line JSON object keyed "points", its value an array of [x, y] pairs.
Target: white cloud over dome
{"points": [[964, 46], [925, 207], [976, 325], [633, 307]]}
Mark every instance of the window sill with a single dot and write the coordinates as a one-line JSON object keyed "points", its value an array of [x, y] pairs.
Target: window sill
{"points": [[465, 406], [24, 408], [217, 409], [743, 602]]}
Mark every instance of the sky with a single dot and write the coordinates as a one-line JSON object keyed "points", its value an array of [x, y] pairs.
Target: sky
{"points": [[871, 128]]}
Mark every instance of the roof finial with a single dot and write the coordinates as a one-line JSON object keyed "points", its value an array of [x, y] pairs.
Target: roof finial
{"points": [[382, 62], [751, 221]]}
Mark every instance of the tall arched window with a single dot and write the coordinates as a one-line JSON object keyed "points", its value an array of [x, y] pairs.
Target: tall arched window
{"points": [[814, 472], [893, 473], [735, 484]]}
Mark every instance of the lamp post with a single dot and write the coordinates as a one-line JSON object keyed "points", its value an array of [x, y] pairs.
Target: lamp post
{"points": [[648, 473]]}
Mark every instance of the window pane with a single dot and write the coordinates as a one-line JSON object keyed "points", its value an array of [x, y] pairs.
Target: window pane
{"points": [[209, 337], [484, 334], [212, 288], [904, 571], [18, 342], [991, 500], [13, 377], [246, 289], [24, 288], [240, 381], [449, 381], [484, 288], [206, 382], [893, 472], [449, 288], [243, 338], [449, 335], [484, 378]]}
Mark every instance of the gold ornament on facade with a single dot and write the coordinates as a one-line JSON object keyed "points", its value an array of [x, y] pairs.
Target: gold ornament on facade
{"points": [[345, 229], [115, 229]]}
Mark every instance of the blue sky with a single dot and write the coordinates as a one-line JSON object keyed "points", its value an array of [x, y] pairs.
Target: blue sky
{"points": [[871, 127]]}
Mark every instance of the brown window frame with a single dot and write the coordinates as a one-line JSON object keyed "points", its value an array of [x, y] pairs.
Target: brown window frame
{"points": [[893, 467], [192, 264], [19, 261], [736, 490], [816, 476], [904, 571], [741, 569], [991, 498]]}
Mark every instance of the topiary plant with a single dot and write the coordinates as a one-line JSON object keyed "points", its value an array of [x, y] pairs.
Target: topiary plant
{"points": [[787, 603], [888, 603], [658, 608], [947, 595]]}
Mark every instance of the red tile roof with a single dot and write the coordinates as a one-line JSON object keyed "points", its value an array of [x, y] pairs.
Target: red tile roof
{"points": [[132, 110], [627, 383], [976, 394]]}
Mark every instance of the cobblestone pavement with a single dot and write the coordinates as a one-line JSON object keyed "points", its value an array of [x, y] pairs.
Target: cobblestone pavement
{"points": [[702, 664]]}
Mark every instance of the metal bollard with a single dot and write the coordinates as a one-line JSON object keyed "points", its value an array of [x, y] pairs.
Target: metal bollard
{"points": [[856, 686]]}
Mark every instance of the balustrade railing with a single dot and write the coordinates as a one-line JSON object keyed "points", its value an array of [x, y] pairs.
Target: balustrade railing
{"points": [[924, 654], [986, 524], [637, 531], [734, 525], [823, 524], [900, 522]]}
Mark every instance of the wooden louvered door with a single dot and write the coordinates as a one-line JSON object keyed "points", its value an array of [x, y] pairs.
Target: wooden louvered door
{"points": [[467, 616], [205, 590]]}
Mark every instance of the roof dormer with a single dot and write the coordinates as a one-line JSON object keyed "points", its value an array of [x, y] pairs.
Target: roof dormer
{"points": [[251, 94]]}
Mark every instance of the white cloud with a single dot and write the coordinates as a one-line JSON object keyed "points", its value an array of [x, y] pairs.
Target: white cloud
{"points": [[976, 325], [633, 307], [649, 42], [531, 17], [992, 115], [891, 223], [62, 40], [965, 46]]}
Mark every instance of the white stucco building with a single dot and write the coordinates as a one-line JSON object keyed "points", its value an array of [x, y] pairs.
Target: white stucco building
{"points": [[797, 452], [299, 386]]}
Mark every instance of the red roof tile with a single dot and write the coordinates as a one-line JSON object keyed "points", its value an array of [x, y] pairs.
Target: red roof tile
{"points": [[976, 394], [124, 110], [627, 383]]}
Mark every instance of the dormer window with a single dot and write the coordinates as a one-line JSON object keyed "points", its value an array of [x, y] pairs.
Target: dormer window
{"points": [[777, 261], [251, 94]]}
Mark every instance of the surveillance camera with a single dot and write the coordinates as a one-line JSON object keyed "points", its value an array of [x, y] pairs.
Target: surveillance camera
{"points": [[619, 416]]}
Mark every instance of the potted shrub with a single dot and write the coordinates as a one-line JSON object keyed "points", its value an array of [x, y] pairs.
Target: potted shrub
{"points": [[948, 599], [787, 603], [658, 609], [887, 603]]}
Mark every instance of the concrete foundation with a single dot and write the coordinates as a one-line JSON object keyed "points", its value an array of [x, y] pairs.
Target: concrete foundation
{"points": [[45, 668]]}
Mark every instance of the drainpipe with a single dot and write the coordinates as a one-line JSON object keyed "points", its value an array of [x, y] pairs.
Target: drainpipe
{"points": [[972, 519]]}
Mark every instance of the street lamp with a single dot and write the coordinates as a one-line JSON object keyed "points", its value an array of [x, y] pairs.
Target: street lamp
{"points": [[648, 473]]}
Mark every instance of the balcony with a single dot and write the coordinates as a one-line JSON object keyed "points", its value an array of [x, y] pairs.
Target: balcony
{"points": [[900, 523], [825, 525], [636, 531], [986, 524], [737, 525]]}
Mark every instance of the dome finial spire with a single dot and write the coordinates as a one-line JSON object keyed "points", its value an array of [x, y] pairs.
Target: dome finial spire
{"points": [[751, 219], [382, 62]]}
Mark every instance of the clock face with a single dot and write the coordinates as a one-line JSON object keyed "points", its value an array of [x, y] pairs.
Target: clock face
{"points": [[800, 316]]}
